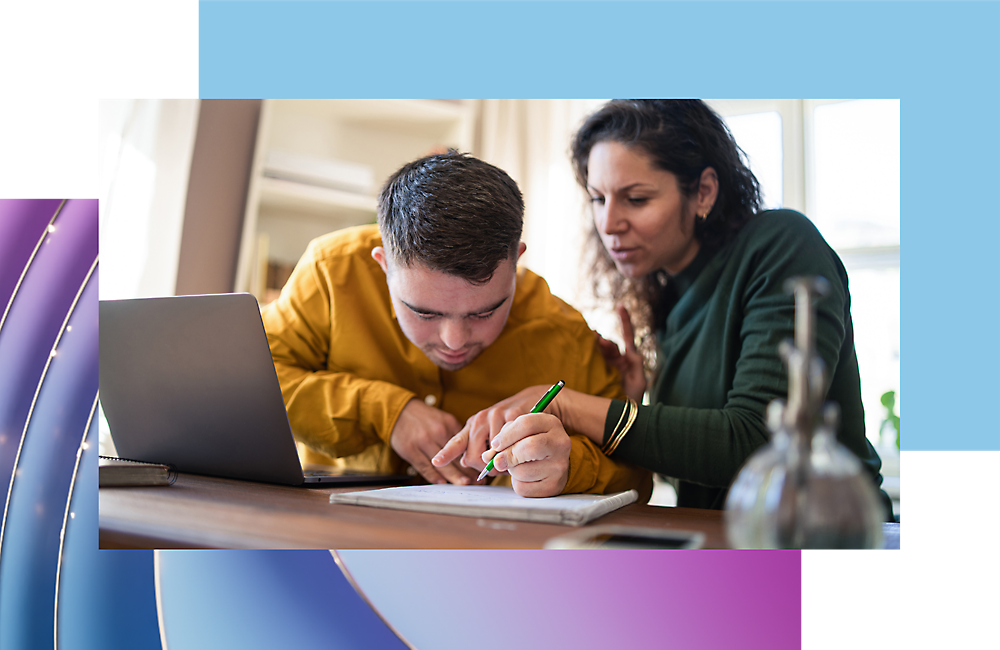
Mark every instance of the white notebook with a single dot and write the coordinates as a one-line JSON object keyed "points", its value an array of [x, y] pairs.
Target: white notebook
{"points": [[491, 502]]}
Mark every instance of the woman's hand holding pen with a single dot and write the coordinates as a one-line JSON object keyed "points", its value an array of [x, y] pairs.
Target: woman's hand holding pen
{"points": [[474, 440], [534, 449], [629, 363]]}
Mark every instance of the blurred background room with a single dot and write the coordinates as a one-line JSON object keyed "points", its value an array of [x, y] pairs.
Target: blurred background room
{"points": [[215, 196]]}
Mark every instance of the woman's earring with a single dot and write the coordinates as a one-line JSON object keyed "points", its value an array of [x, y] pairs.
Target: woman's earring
{"points": [[702, 217]]}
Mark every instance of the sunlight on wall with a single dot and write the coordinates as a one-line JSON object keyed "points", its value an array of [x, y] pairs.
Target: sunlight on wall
{"points": [[145, 160]]}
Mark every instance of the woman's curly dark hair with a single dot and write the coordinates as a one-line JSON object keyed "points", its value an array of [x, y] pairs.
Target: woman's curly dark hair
{"points": [[683, 137]]}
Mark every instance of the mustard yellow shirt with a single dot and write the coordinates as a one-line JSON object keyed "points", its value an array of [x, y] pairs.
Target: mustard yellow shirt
{"points": [[347, 370]]}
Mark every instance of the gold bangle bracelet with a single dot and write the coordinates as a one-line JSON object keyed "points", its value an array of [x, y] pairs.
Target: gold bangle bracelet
{"points": [[614, 432], [621, 418], [628, 425], [617, 436], [626, 428]]}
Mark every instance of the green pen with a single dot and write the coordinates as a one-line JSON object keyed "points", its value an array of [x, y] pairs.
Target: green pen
{"points": [[537, 408]]}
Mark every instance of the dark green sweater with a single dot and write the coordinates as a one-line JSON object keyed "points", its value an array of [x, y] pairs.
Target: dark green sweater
{"points": [[720, 365]]}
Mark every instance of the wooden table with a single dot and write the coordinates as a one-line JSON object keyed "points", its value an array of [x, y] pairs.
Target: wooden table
{"points": [[206, 512]]}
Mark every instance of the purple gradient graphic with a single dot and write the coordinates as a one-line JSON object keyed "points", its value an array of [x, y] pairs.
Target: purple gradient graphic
{"points": [[22, 222], [585, 599], [36, 316], [47, 397]]}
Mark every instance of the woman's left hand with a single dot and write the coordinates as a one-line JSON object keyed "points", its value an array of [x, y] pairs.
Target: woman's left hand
{"points": [[629, 363], [534, 449]]}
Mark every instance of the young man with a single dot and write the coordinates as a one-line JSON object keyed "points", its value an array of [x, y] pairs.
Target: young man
{"points": [[387, 339]]}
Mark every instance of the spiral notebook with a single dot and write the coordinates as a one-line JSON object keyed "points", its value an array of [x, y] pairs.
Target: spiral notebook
{"points": [[490, 501]]}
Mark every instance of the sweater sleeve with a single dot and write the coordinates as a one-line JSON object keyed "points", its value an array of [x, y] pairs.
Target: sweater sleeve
{"points": [[336, 413], [590, 471], [707, 446]]}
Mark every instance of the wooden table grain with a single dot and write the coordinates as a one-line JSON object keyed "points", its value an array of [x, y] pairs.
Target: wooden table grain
{"points": [[206, 512]]}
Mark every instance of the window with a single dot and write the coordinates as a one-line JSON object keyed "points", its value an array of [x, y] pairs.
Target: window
{"points": [[759, 135], [852, 172]]}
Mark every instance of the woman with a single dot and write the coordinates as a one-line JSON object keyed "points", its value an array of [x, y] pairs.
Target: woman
{"points": [[685, 252]]}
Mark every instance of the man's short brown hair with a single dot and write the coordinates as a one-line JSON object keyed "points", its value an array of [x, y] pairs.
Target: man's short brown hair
{"points": [[452, 213]]}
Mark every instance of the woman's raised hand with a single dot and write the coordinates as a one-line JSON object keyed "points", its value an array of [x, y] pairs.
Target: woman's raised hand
{"points": [[628, 364]]}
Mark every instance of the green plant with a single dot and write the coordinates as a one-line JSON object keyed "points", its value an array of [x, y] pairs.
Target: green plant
{"points": [[889, 402]]}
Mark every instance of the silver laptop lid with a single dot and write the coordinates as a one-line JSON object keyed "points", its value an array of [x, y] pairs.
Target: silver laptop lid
{"points": [[189, 381]]}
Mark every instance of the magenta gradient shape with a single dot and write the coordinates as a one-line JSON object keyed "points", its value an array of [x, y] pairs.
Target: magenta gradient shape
{"points": [[586, 599]]}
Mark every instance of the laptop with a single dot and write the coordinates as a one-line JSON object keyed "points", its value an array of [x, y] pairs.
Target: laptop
{"points": [[188, 381]]}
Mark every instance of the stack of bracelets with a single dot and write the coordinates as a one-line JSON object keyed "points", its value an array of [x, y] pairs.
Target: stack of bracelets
{"points": [[616, 436]]}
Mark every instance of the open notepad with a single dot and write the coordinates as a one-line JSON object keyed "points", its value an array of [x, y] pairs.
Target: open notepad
{"points": [[490, 501]]}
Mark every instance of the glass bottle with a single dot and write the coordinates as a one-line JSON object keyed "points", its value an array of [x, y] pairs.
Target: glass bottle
{"points": [[803, 489]]}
